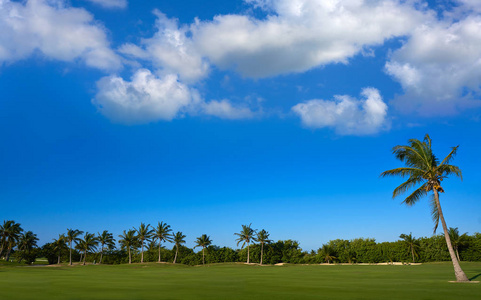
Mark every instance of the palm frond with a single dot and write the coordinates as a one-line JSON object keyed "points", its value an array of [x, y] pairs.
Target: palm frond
{"points": [[416, 195], [402, 172], [410, 183], [450, 156], [446, 170]]}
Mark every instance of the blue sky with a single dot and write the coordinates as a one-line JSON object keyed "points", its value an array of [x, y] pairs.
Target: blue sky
{"points": [[212, 115]]}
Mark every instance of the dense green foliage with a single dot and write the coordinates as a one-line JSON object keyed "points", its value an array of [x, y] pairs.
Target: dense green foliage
{"points": [[237, 281]]}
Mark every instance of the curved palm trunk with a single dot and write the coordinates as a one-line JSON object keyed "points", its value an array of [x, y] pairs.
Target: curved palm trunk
{"points": [[159, 252], [176, 251], [460, 276], [130, 256], [412, 252], [248, 253], [262, 251], [203, 256], [70, 254], [85, 256], [142, 256], [101, 255]]}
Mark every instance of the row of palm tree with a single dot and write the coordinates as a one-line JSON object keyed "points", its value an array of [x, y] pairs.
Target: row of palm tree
{"points": [[11, 235], [248, 235]]}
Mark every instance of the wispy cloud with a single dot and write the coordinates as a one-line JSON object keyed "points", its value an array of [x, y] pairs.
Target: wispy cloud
{"points": [[110, 3]]}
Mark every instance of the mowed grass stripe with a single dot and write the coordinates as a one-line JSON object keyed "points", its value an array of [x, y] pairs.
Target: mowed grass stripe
{"points": [[237, 281]]}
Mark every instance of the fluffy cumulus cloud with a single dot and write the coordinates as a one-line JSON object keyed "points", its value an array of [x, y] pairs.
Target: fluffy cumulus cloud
{"points": [[110, 3], [149, 98], [298, 35], [348, 116], [439, 67], [170, 50], [54, 30]]}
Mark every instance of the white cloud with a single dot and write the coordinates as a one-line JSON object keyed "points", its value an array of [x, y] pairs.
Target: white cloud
{"points": [[298, 35], [149, 98], [170, 50], [146, 98], [54, 30], [348, 116], [225, 110], [110, 3], [439, 67]]}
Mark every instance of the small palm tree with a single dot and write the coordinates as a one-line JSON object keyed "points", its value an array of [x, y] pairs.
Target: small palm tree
{"points": [[327, 253], [263, 238], [105, 239], [163, 233], [89, 243], [456, 239], [72, 236], [203, 241], [127, 241], [424, 168], [9, 236], [144, 233], [246, 236], [59, 245], [411, 242], [27, 242], [178, 240]]}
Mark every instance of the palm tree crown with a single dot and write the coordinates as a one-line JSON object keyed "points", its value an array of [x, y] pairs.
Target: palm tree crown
{"points": [[89, 243], [425, 173], [412, 244]]}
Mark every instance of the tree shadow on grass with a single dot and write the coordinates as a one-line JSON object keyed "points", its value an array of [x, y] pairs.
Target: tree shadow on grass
{"points": [[474, 277]]}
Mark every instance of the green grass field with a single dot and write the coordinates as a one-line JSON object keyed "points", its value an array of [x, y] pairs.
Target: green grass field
{"points": [[237, 281]]}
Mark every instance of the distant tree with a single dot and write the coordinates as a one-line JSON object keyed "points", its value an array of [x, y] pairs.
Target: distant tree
{"points": [[127, 241], [105, 239], [203, 241], [246, 236], [456, 239], [163, 233], [72, 236], [26, 243], [423, 168], [263, 238], [89, 243], [412, 243], [59, 245], [327, 253], [10, 233], [178, 240], [144, 233]]}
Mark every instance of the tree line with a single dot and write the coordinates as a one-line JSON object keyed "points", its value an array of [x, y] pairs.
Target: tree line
{"points": [[146, 244]]}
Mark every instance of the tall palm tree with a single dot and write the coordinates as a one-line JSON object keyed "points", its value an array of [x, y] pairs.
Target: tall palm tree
{"points": [[411, 242], [144, 233], [72, 236], [178, 240], [203, 241], [128, 240], [245, 237], [27, 242], [327, 253], [9, 236], [59, 245], [90, 242], [263, 238], [424, 168], [163, 233], [456, 239], [105, 239]]}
